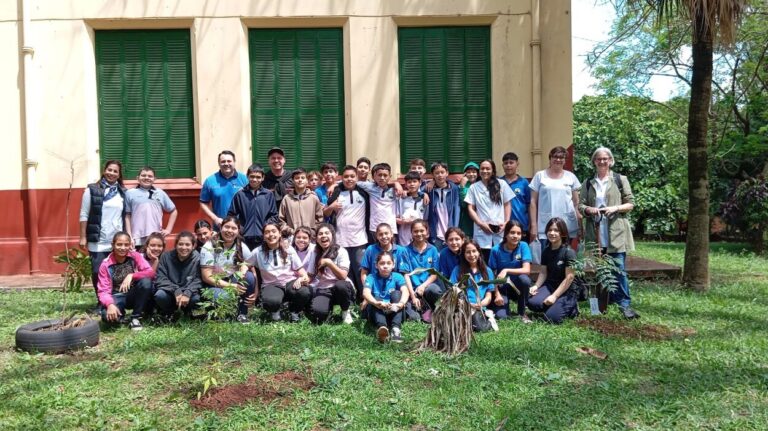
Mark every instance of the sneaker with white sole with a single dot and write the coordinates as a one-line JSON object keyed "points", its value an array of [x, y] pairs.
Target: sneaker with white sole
{"points": [[382, 334], [243, 319], [492, 320], [135, 325], [396, 337], [346, 317]]}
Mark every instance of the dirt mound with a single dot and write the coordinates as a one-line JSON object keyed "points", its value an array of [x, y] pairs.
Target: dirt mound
{"points": [[622, 329], [264, 389]]}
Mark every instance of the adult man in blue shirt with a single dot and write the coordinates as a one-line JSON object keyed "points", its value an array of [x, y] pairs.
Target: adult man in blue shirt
{"points": [[219, 189]]}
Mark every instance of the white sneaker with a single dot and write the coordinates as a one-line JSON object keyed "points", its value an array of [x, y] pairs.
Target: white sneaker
{"points": [[492, 320], [346, 317], [135, 325], [396, 338]]}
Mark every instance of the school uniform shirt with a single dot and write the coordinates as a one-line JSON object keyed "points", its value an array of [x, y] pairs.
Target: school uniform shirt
{"points": [[325, 279], [556, 200], [307, 258], [521, 201], [219, 191], [382, 288], [146, 208], [383, 201], [501, 258], [424, 259], [222, 260], [556, 262], [275, 269], [482, 289], [409, 207], [447, 262], [400, 255], [488, 211], [351, 219]]}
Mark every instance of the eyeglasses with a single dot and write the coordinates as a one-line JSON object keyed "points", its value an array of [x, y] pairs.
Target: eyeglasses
{"points": [[558, 157], [603, 159]]}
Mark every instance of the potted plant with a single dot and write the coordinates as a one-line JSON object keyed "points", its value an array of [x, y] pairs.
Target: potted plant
{"points": [[69, 332]]}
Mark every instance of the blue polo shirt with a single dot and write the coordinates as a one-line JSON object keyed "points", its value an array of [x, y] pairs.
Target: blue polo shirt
{"points": [[382, 288], [399, 254], [219, 191], [482, 288], [501, 258], [447, 262], [426, 259], [521, 201]]}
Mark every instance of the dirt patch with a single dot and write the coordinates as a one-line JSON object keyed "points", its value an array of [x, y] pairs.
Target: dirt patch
{"points": [[263, 389], [65, 324], [621, 329]]}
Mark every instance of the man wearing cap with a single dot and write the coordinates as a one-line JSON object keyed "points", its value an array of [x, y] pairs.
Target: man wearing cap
{"points": [[218, 189], [277, 179]]}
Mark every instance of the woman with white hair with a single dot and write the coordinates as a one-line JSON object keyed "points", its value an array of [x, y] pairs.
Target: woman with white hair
{"points": [[605, 200]]}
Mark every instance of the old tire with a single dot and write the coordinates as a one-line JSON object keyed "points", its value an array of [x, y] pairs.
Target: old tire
{"points": [[29, 338]]}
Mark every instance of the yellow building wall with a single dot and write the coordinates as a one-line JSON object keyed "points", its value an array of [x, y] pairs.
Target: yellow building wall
{"points": [[62, 84]]}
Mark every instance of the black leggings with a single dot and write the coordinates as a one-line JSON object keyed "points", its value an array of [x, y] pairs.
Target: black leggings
{"points": [[323, 300], [273, 295]]}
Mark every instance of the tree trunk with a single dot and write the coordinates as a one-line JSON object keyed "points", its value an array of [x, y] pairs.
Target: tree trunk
{"points": [[696, 266]]}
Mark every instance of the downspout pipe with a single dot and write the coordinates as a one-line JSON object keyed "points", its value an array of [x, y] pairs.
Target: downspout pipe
{"points": [[536, 86], [30, 137]]}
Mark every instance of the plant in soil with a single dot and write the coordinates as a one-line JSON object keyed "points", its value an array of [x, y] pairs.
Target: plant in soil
{"points": [[596, 274]]}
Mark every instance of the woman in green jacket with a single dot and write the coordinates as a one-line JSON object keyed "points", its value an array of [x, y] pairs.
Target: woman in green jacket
{"points": [[605, 201]]}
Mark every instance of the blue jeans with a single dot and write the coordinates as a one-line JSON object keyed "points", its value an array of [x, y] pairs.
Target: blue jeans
{"points": [[620, 295], [250, 288], [137, 298]]}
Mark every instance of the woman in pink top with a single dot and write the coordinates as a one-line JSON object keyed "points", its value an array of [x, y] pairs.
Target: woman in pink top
{"points": [[125, 281]]}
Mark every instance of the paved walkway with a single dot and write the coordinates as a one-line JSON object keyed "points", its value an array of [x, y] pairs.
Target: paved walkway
{"points": [[637, 267]]}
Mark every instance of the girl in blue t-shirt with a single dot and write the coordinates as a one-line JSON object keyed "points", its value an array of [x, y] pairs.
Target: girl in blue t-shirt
{"points": [[386, 294], [449, 255], [423, 288], [471, 262], [511, 260]]}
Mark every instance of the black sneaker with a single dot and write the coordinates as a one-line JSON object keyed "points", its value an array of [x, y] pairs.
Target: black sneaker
{"points": [[243, 319], [294, 317]]}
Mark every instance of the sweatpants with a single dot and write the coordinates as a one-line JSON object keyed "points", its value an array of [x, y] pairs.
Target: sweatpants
{"points": [[342, 293], [136, 298], [355, 259], [564, 307], [523, 284], [273, 295], [379, 317]]}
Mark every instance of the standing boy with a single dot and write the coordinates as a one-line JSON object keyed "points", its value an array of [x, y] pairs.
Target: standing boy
{"points": [[383, 198], [254, 206], [444, 205], [302, 207], [519, 185], [329, 172], [144, 208], [410, 207]]}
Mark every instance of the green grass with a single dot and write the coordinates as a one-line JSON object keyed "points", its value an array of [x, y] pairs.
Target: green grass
{"points": [[531, 376]]}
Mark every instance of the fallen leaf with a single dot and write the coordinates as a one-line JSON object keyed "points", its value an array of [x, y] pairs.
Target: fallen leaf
{"points": [[592, 352]]}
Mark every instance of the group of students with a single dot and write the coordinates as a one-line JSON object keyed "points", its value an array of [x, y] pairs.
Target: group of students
{"points": [[310, 243]]}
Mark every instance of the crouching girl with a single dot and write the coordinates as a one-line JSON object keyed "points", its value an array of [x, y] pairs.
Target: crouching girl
{"points": [[471, 262], [386, 294], [223, 265], [125, 281], [552, 293], [331, 285], [178, 280]]}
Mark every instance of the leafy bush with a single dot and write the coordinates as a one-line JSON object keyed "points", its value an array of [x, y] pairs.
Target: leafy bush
{"points": [[78, 268], [747, 209]]}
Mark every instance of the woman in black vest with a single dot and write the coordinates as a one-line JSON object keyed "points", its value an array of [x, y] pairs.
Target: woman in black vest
{"points": [[102, 213]]}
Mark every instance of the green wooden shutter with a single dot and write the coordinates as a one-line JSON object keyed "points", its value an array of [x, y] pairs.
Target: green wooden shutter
{"points": [[445, 100], [144, 81], [297, 95]]}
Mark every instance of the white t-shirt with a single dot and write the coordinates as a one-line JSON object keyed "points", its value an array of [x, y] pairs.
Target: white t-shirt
{"points": [[600, 201], [326, 278], [489, 211], [350, 220], [411, 208], [275, 269], [556, 200]]}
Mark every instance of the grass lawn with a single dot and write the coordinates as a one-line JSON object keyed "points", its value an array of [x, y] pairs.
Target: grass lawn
{"points": [[710, 373]]}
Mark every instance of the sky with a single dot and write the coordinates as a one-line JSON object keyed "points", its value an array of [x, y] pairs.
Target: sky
{"points": [[591, 23]]}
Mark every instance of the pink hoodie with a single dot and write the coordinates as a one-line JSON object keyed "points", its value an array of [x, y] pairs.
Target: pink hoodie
{"points": [[142, 269]]}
